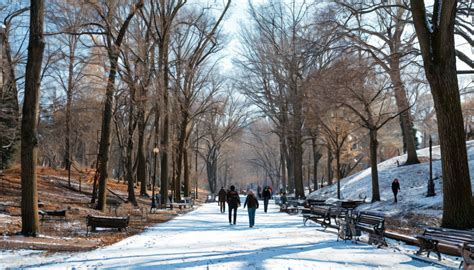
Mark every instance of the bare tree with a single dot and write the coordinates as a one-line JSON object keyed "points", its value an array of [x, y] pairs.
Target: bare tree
{"points": [[385, 34], [29, 122], [223, 122], [113, 42], [436, 37]]}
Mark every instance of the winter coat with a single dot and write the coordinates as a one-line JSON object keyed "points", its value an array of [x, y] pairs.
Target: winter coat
{"points": [[251, 201], [222, 195], [395, 187], [266, 194], [233, 199]]}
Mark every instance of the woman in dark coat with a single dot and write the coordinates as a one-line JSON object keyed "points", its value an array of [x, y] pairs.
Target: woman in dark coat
{"points": [[252, 203], [233, 201], [395, 188]]}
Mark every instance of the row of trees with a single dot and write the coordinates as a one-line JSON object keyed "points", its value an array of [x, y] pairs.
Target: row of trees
{"points": [[324, 75], [149, 69], [333, 73]]}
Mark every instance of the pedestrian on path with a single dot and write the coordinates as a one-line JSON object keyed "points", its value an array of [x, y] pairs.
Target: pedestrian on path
{"points": [[395, 188], [222, 198], [252, 203], [233, 200], [266, 194]]}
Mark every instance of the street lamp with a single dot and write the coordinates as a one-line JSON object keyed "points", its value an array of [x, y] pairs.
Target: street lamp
{"points": [[153, 199], [431, 190]]}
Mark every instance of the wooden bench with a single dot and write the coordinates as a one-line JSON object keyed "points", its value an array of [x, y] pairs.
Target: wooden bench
{"points": [[107, 222], [372, 223], [461, 242], [52, 213], [319, 214]]}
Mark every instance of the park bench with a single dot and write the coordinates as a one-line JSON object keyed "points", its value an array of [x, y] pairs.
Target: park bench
{"points": [[52, 213], [459, 242], [319, 214], [292, 206], [107, 222], [372, 223]]}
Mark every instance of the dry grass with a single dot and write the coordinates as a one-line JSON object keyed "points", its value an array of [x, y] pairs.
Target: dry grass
{"points": [[69, 233]]}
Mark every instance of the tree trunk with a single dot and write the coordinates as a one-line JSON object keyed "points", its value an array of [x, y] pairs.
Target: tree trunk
{"points": [[338, 171], [129, 162], [316, 157], [165, 138], [298, 166], [283, 164], [105, 132], [405, 117], [141, 167], [373, 165], [29, 122], [329, 165], [457, 190], [70, 86], [186, 165], [439, 60], [211, 169]]}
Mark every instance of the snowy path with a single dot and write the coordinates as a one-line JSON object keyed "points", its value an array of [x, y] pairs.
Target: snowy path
{"points": [[204, 239]]}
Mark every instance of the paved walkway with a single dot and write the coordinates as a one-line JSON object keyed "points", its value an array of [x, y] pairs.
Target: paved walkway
{"points": [[203, 239]]}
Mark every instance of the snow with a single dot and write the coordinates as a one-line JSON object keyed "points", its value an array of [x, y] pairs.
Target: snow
{"points": [[413, 185], [203, 239]]}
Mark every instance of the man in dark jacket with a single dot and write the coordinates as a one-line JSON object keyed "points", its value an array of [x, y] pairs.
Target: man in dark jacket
{"points": [[222, 198], [266, 194], [252, 203], [395, 188], [233, 200]]}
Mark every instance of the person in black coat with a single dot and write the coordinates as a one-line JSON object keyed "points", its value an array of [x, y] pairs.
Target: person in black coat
{"points": [[395, 188], [266, 194], [233, 201], [222, 198], [252, 202]]}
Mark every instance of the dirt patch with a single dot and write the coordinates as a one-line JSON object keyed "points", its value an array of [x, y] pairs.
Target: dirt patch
{"points": [[69, 233]]}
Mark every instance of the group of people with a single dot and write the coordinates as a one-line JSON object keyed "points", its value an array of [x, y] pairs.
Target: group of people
{"points": [[231, 197]]}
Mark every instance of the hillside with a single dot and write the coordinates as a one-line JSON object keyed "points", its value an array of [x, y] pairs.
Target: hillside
{"points": [[69, 233], [412, 200]]}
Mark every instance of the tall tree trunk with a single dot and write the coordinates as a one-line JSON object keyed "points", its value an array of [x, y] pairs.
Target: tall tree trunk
{"points": [[283, 164], [316, 157], [70, 86], [373, 165], [329, 165], [105, 133], [186, 165], [439, 60], [165, 138], [338, 171], [29, 122], [298, 166], [141, 167], [129, 162], [405, 117]]}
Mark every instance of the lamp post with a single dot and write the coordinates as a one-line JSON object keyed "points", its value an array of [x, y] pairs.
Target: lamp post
{"points": [[153, 199], [431, 190]]}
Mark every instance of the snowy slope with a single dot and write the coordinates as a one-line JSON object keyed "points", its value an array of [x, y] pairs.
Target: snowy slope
{"points": [[203, 239], [413, 184]]}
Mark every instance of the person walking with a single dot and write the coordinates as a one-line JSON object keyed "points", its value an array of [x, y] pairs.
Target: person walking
{"points": [[395, 188], [233, 201], [252, 203], [222, 199], [266, 194]]}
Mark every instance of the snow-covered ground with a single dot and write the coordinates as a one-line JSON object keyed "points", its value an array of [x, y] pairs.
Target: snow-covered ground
{"points": [[413, 185], [203, 239]]}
